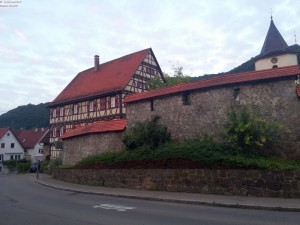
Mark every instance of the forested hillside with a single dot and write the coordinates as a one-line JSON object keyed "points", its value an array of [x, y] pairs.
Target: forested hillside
{"points": [[26, 117]]}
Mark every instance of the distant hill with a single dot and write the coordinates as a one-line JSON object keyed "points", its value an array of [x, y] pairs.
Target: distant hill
{"points": [[26, 117]]}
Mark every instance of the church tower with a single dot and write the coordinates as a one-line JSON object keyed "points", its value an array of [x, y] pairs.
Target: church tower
{"points": [[275, 51]]}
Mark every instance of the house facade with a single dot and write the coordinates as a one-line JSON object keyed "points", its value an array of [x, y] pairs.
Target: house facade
{"points": [[33, 142], [97, 94], [10, 147], [193, 109]]}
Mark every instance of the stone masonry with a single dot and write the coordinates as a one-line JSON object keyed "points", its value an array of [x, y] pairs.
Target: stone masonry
{"points": [[79, 147], [275, 100], [258, 183]]}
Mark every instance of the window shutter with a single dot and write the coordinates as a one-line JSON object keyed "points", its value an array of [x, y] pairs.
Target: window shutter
{"points": [[108, 103], [103, 103], [88, 106], [117, 101], [57, 131], [95, 105], [51, 113]]}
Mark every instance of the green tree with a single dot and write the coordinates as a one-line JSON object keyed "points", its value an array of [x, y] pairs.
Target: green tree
{"points": [[147, 134], [249, 131], [177, 78]]}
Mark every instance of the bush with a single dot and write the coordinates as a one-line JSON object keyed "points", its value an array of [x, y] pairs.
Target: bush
{"points": [[21, 166], [203, 153], [249, 131], [54, 163], [148, 134]]}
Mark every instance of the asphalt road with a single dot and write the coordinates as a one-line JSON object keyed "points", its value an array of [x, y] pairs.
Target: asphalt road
{"points": [[24, 202]]}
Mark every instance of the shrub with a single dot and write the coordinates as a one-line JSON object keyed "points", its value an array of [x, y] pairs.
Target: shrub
{"points": [[148, 134], [249, 131], [21, 166]]}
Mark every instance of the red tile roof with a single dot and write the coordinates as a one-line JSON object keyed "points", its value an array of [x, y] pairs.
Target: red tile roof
{"points": [[98, 127], [29, 138], [3, 131], [217, 82], [111, 76]]}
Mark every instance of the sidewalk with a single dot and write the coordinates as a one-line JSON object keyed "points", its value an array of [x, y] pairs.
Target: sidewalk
{"points": [[278, 204]]}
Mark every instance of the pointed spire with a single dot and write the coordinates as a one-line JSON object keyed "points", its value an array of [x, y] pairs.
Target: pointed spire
{"points": [[274, 41]]}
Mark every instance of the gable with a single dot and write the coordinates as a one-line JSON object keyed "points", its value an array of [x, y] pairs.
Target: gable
{"points": [[111, 76], [148, 69]]}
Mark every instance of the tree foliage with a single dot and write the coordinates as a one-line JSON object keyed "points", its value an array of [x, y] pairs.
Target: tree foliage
{"points": [[26, 117], [249, 131], [177, 78], [148, 134]]}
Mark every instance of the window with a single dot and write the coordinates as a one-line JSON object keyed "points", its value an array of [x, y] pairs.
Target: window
{"points": [[102, 103], [17, 157], [75, 109], [61, 131], [12, 145], [91, 106], [186, 98], [61, 111], [41, 151], [236, 94], [151, 104], [2, 145], [54, 113], [112, 102], [11, 157], [54, 132], [8, 134]]}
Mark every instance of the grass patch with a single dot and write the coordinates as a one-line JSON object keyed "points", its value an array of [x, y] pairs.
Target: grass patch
{"points": [[199, 154]]}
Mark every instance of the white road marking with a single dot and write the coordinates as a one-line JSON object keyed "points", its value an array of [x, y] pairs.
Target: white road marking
{"points": [[119, 208]]}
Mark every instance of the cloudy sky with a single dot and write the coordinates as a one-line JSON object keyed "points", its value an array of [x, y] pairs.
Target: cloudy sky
{"points": [[44, 44]]}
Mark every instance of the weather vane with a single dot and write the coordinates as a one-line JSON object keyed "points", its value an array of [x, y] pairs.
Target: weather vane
{"points": [[271, 12]]}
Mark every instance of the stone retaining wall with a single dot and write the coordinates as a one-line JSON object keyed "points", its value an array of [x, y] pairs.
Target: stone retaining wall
{"points": [[224, 182]]}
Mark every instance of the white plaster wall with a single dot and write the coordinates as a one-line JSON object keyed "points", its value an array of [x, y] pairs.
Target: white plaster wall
{"points": [[283, 60]]}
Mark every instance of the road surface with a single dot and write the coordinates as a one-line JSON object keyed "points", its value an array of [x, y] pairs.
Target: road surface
{"points": [[24, 202]]}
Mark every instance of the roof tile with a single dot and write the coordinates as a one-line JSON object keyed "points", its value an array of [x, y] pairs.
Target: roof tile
{"points": [[111, 76], [29, 138], [97, 127], [217, 81]]}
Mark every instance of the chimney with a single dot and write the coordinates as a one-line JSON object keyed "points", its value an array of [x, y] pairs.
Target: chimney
{"points": [[96, 63]]}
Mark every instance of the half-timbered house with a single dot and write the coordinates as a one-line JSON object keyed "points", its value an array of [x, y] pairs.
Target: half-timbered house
{"points": [[97, 94]]}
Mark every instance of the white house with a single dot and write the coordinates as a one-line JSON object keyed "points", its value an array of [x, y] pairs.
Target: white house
{"points": [[10, 147], [33, 142]]}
